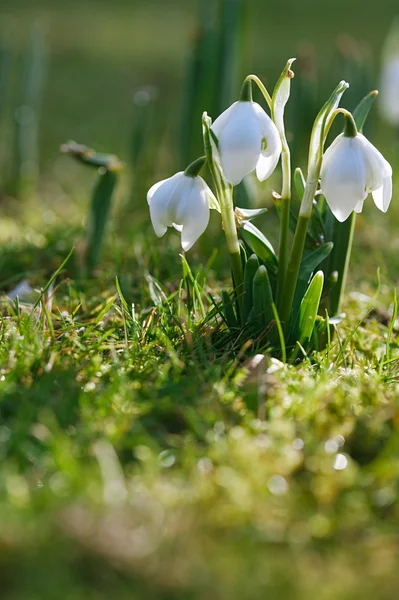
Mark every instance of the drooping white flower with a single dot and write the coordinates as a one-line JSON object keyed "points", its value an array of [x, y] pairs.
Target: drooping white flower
{"points": [[248, 140], [389, 90], [182, 202], [352, 168]]}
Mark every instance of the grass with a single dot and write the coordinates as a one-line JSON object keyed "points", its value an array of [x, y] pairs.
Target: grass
{"points": [[141, 458], [137, 461]]}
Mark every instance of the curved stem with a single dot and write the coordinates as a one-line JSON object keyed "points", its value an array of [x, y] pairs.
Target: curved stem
{"points": [[262, 89], [348, 120]]}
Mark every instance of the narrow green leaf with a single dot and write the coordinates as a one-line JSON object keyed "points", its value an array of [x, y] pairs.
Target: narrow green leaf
{"points": [[229, 313], [299, 182], [99, 214], [247, 214], [121, 296], [391, 326], [259, 244], [243, 254], [362, 110], [251, 268], [280, 333], [310, 306], [311, 261], [319, 127], [52, 278], [262, 298], [308, 266], [187, 273]]}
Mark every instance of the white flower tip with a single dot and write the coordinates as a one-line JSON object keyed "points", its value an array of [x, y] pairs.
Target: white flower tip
{"points": [[159, 229], [340, 216], [186, 245]]}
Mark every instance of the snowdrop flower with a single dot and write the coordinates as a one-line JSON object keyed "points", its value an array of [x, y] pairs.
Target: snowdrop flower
{"points": [[248, 140], [182, 202], [389, 94], [352, 168]]}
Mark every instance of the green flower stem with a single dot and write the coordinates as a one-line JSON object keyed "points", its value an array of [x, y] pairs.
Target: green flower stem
{"points": [[262, 89], [298, 246], [284, 223], [233, 246], [224, 193], [343, 241]]}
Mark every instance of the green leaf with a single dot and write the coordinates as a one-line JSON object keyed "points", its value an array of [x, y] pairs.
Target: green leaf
{"points": [[229, 314], [259, 244], [262, 297], [312, 260], [308, 265], [99, 214], [299, 182], [247, 214], [251, 268], [243, 254], [319, 127], [362, 110], [310, 306]]}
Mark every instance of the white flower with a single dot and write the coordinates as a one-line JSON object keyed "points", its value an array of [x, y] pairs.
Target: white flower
{"points": [[352, 168], [181, 202], [389, 90], [248, 140]]}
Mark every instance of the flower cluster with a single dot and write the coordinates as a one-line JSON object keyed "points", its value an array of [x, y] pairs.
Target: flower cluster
{"points": [[277, 295], [247, 141]]}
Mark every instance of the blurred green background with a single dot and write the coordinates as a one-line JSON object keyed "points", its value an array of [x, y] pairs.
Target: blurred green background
{"points": [[102, 52], [100, 57]]}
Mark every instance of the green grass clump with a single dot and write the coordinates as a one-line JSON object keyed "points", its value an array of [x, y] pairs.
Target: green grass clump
{"points": [[140, 460]]}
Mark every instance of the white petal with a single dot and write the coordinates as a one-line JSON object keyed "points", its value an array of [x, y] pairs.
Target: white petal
{"points": [[193, 213], [158, 197], [269, 132], [266, 165], [271, 146], [382, 196], [377, 167], [219, 123], [343, 177], [359, 206], [182, 184], [240, 140]]}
